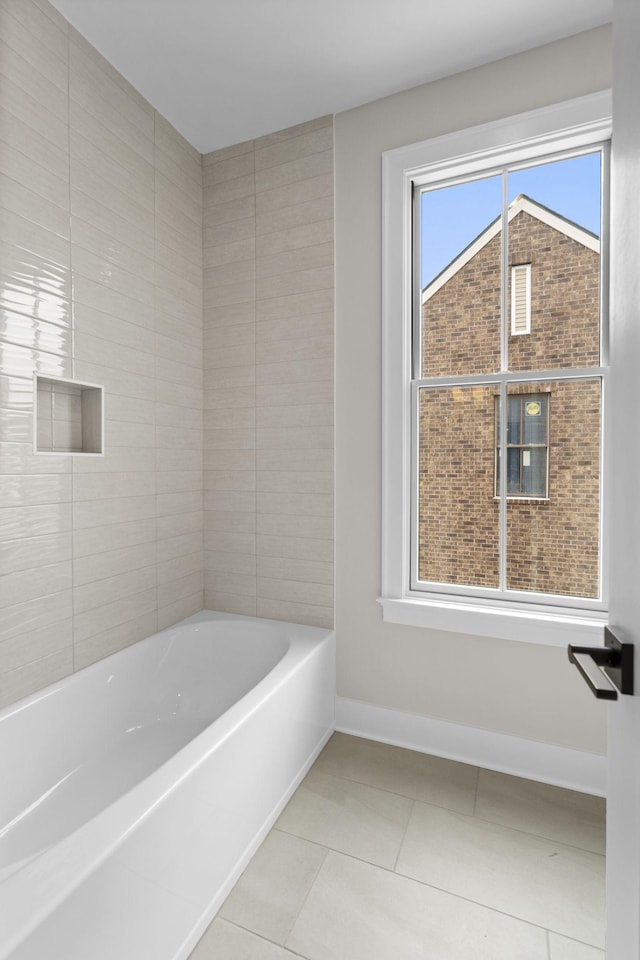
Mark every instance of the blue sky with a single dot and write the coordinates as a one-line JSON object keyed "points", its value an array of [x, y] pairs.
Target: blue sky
{"points": [[453, 216]]}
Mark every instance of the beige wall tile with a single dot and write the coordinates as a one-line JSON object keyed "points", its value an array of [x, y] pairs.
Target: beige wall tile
{"points": [[116, 638], [281, 351], [98, 593], [86, 59], [296, 481], [181, 567], [315, 616], [39, 612], [182, 588], [297, 438], [292, 194], [184, 607], [295, 305], [292, 372], [229, 168], [298, 130], [276, 242], [27, 679], [111, 615], [228, 190], [16, 101], [281, 459], [239, 209], [45, 25], [225, 153], [296, 548], [293, 284], [215, 599], [34, 645], [183, 545], [292, 220], [32, 175], [291, 261], [285, 525], [146, 214], [234, 500], [89, 97], [290, 394], [176, 526], [306, 145], [24, 585], [101, 566], [219, 561], [19, 199], [286, 569]]}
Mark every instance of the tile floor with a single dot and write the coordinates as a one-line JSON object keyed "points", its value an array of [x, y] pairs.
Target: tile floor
{"points": [[387, 854]]}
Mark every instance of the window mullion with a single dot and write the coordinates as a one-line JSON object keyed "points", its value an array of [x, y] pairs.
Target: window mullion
{"points": [[504, 363]]}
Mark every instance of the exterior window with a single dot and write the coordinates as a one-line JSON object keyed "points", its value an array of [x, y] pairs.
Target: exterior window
{"points": [[527, 446], [520, 299], [494, 386]]}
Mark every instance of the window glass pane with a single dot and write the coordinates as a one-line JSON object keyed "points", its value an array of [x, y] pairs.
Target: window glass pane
{"points": [[458, 539], [554, 227], [534, 472], [513, 471], [534, 418], [460, 278], [527, 425], [553, 544], [513, 422]]}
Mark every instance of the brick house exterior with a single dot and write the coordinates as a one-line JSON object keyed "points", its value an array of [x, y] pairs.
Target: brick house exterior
{"points": [[552, 540]]}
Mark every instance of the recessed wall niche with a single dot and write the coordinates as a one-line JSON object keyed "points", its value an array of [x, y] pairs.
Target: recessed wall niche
{"points": [[68, 417]]}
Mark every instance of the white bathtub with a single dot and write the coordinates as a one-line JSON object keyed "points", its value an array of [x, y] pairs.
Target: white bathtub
{"points": [[135, 791]]}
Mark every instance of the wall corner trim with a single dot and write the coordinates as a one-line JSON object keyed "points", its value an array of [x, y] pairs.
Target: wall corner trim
{"points": [[532, 759]]}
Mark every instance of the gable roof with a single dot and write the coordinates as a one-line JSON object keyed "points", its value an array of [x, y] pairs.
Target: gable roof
{"points": [[525, 204]]}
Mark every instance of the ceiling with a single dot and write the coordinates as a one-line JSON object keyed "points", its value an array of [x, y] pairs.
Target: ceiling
{"points": [[224, 71]]}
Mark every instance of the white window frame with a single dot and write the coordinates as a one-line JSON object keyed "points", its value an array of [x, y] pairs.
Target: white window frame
{"points": [[567, 126], [527, 324]]}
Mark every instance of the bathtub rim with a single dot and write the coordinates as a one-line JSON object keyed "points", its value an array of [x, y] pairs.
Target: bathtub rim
{"points": [[32, 893]]}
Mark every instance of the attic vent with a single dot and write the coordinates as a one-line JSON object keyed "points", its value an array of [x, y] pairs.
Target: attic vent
{"points": [[521, 299]]}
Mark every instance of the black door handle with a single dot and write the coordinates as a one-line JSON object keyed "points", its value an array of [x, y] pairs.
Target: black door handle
{"points": [[607, 669]]}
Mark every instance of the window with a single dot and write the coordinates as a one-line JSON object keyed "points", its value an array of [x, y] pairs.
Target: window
{"points": [[494, 352], [527, 445]]}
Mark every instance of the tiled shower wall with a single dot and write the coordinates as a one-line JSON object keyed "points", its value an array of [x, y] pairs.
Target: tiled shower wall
{"points": [[268, 372], [100, 279]]}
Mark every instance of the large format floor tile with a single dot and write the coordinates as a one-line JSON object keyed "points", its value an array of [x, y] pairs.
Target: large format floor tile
{"points": [[357, 911], [405, 772], [356, 819], [224, 941], [563, 949], [387, 853], [271, 891], [544, 882], [547, 811]]}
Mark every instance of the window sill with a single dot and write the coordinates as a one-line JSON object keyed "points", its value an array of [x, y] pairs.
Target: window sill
{"points": [[524, 500], [540, 625]]}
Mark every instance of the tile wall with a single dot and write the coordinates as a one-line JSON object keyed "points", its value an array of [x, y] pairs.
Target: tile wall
{"points": [[268, 371], [100, 279]]}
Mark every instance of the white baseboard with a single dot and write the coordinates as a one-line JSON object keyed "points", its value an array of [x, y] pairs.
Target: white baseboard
{"points": [[561, 766]]}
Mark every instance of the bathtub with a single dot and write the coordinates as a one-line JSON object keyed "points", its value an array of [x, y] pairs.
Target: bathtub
{"points": [[135, 791]]}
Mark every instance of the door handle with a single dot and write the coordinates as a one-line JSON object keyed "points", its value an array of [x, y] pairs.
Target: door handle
{"points": [[607, 669]]}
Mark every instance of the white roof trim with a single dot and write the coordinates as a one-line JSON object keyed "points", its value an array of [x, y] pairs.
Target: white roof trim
{"points": [[552, 219]]}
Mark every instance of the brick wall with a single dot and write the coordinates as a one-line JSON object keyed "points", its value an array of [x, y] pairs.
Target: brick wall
{"points": [[552, 545]]}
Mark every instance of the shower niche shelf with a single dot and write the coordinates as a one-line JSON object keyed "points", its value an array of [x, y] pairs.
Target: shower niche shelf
{"points": [[68, 417]]}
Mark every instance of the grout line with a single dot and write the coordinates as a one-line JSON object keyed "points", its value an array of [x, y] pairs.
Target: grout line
{"points": [[548, 946], [259, 936], [404, 835], [475, 795]]}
